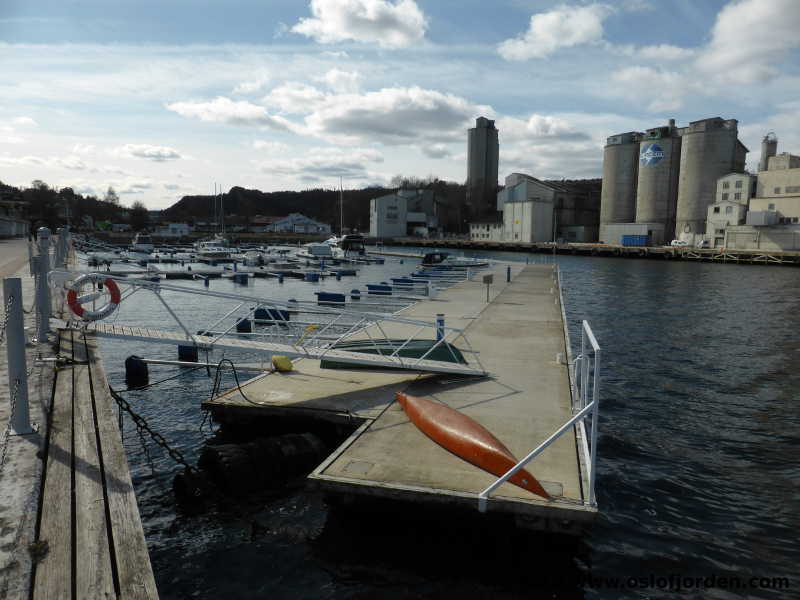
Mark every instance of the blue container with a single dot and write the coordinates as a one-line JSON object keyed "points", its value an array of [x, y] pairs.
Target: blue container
{"points": [[635, 240], [328, 297], [380, 289], [312, 277]]}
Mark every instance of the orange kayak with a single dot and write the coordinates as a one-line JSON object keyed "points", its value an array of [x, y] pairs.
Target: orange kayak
{"points": [[467, 439]]}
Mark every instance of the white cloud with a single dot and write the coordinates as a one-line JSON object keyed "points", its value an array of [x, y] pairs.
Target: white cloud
{"points": [[562, 27], [294, 98], [171, 186], [538, 128], [436, 151], [66, 162], [147, 151], [342, 81], [394, 116], [24, 121], [83, 149], [663, 52], [225, 110], [270, 146], [388, 24], [750, 39], [11, 139], [320, 163], [658, 89], [252, 85]]}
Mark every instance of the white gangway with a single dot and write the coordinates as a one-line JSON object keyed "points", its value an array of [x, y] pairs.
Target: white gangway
{"points": [[314, 343]]}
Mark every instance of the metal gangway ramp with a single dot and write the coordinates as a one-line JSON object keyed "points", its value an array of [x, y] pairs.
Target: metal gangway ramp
{"points": [[312, 343]]}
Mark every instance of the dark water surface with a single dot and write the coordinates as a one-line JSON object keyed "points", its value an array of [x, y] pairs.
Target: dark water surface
{"points": [[698, 475]]}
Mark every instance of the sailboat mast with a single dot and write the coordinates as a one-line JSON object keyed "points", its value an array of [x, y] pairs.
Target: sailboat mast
{"points": [[341, 208]]}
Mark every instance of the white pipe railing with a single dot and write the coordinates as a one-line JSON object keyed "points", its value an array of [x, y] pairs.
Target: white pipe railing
{"points": [[584, 367]]}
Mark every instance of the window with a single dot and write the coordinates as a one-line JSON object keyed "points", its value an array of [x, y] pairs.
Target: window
{"points": [[739, 183], [716, 210], [771, 207], [737, 196], [792, 189], [777, 190], [725, 196], [726, 185], [728, 210], [720, 232], [794, 219]]}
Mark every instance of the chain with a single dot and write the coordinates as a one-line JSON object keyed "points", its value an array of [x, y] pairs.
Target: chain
{"points": [[142, 427], [6, 318], [7, 433]]}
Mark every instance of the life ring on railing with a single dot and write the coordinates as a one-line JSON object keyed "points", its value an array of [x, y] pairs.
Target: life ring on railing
{"points": [[75, 302]]}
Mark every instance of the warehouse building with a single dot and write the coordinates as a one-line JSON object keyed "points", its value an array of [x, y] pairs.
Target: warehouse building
{"points": [[771, 220], [532, 209], [404, 213]]}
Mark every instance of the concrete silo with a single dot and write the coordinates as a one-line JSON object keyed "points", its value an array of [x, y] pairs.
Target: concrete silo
{"points": [[769, 148], [620, 172], [657, 188], [709, 149]]}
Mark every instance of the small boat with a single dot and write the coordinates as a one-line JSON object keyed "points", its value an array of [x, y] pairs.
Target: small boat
{"points": [[142, 242], [214, 249], [467, 439], [444, 259], [316, 252]]}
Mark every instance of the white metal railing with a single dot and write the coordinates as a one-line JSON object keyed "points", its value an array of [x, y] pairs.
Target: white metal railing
{"points": [[324, 337], [585, 391]]}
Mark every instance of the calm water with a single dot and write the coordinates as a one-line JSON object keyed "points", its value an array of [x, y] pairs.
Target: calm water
{"points": [[697, 477]]}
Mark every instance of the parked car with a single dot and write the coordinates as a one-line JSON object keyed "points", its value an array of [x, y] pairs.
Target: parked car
{"points": [[679, 243], [704, 244]]}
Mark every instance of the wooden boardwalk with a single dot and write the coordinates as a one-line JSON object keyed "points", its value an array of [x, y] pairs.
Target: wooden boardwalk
{"points": [[89, 534]]}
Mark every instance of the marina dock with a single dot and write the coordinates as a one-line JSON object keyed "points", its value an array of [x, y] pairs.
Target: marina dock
{"points": [[69, 522], [519, 335]]}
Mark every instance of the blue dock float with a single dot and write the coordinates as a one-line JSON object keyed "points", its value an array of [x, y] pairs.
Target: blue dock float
{"points": [[380, 289]]}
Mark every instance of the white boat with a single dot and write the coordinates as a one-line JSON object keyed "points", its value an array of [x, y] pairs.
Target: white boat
{"points": [[214, 249], [444, 259], [142, 242], [316, 252]]}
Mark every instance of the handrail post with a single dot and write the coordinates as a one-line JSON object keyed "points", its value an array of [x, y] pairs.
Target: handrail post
{"points": [[595, 411], [15, 347], [43, 288]]}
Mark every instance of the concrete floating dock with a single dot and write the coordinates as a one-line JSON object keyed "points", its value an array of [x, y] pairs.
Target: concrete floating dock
{"points": [[519, 336]]}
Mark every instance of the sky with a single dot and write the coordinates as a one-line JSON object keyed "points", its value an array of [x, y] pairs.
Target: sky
{"points": [[164, 98]]}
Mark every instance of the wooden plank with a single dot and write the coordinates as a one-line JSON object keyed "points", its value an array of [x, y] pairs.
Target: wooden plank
{"points": [[93, 576], [53, 576], [135, 574]]}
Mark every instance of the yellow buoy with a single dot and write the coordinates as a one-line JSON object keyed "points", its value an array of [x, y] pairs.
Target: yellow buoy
{"points": [[282, 364]]}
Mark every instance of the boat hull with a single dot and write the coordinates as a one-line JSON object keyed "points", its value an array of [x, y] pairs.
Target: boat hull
{"points": [[467, 439]]}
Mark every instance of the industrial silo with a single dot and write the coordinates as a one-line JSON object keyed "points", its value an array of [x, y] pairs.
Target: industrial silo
{"points": [[657, 189], [709, 149], [769, 148], [620, 170]]}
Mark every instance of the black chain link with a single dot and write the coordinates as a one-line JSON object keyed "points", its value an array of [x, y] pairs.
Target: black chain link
{"points": [[142, 427], [6, 317], [7, 433]]}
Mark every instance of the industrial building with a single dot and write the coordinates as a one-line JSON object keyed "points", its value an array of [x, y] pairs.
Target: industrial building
{"points": [[661, 182], [528, 210], [404, 213], [483, 155], [759, 213]]}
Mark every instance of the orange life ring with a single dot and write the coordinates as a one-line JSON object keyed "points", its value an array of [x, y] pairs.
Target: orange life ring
{"points": [[75, 303]]}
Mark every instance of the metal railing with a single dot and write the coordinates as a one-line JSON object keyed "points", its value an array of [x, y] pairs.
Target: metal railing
{"points": [[585, 391], [336, 325]]}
